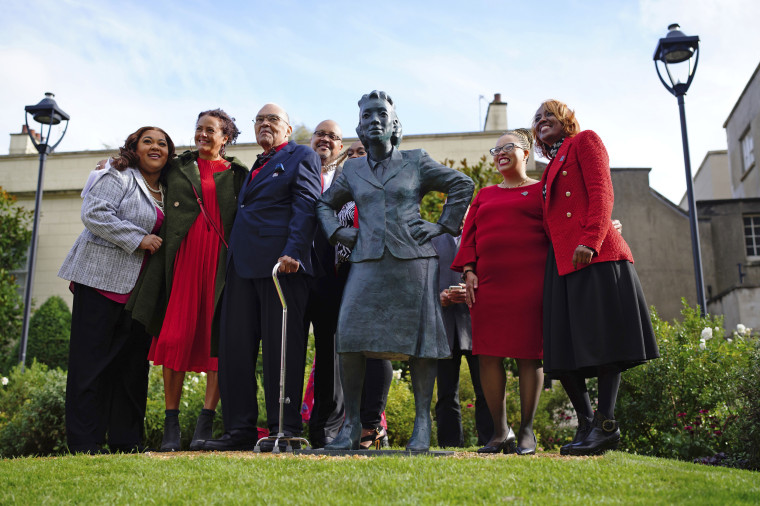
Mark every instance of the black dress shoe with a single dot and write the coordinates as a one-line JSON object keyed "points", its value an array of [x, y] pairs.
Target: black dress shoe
{"points": [[584, 427], [267, 445], [528, 451], [506, 446], [230, 443], [604, 436], [317, 444]]}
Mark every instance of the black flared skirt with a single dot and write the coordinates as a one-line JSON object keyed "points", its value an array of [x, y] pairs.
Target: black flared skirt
{"points": [[593, 317]]}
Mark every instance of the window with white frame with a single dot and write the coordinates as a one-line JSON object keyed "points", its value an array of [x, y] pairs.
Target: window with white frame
{"points": [[752, 235], [748, 150]]}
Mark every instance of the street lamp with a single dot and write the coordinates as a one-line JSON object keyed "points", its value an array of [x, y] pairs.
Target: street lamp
{"points": [[46, 113], [676, 52]]}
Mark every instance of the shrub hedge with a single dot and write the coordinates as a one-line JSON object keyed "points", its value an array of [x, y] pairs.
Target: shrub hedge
{"points": [[32, 412], [698, 401], [49, 331], [684, 404]]}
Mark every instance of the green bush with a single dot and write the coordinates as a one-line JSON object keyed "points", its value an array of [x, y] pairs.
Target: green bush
{"points": [[11, 307], [33, 411], [745, 431], [681, 405], [15, 234], [49, 331], [399, 411]]}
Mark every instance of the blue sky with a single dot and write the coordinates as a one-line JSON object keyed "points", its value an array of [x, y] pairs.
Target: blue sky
{"points": [[115, 66]]}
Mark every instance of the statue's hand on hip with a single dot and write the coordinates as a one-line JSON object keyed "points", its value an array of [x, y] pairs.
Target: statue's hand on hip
{"points": [[422, 231]]}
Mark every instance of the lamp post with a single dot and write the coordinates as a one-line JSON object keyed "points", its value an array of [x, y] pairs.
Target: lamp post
{"points": [[481, 99], [46, 113], [676, 52]]}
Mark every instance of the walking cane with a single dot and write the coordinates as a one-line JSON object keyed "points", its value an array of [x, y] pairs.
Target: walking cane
{"points": [[283, 400]]}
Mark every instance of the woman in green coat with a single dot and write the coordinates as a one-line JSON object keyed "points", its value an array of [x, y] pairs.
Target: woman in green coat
{"points": [[179, 290]]}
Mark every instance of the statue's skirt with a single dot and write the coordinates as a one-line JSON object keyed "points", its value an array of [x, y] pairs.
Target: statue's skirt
{"points": [[391, 309]]}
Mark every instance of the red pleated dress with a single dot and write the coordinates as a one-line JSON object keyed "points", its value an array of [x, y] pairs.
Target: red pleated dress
{"points": [[184, 343], [504, 236]]}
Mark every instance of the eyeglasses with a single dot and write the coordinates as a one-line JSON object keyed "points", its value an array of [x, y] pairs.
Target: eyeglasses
{"points": [[270, 118], [329, 135], [507, 148]]}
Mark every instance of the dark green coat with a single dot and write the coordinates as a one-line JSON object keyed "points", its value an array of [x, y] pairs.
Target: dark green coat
{"points": [[151, 294]]}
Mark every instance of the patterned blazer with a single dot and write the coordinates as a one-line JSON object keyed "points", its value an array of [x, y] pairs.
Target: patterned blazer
{"points": [[117, 213]]}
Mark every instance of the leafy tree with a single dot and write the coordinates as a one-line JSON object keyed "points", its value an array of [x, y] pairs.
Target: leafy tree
{"points": [[15, 234], [49, 331], [301, 134], [483, 173]]}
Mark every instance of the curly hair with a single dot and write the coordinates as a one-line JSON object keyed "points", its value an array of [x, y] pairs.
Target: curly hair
{"points": [[397, 130], [127, 156], [565, 115], [228, 124]]}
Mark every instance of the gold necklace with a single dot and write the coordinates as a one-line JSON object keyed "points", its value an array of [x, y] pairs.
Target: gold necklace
{"points": [[503, 184]]}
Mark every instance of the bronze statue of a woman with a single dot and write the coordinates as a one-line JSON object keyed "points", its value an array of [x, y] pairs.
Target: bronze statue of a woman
{"points": [[390, 307]]}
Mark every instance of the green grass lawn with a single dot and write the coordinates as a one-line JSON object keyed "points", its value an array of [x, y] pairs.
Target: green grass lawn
{"points": [[247, 478]]}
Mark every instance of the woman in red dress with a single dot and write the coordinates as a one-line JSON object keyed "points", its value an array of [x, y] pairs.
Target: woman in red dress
{"points": [[502, 256], [180, 289]]}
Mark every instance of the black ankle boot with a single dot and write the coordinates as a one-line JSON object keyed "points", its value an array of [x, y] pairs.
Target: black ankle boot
{"points": [[170, 442], [604, 436], [203, 429], [584, 427]]}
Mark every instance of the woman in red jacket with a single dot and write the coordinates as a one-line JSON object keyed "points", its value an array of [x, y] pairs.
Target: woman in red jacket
{"points": [[596, 322]]}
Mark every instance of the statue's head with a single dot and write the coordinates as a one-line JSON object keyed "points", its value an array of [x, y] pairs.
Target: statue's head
{"points": [[377, 119]]}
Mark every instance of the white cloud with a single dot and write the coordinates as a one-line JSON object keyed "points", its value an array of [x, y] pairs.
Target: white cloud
{"points": [[115, 66]]}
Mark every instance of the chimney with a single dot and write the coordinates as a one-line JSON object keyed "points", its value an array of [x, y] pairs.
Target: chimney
{"points": [[21, 144], [496, 117]]}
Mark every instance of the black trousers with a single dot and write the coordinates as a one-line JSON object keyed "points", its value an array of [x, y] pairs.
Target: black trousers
{"points": [[251, 314], [322, 311], [448, 410], [107, 381]]}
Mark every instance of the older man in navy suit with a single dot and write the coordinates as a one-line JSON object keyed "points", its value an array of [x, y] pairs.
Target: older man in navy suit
{"points": [[275, 222]]}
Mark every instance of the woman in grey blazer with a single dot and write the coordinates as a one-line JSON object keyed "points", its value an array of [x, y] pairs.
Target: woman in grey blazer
{"points": [[106, 389]]}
